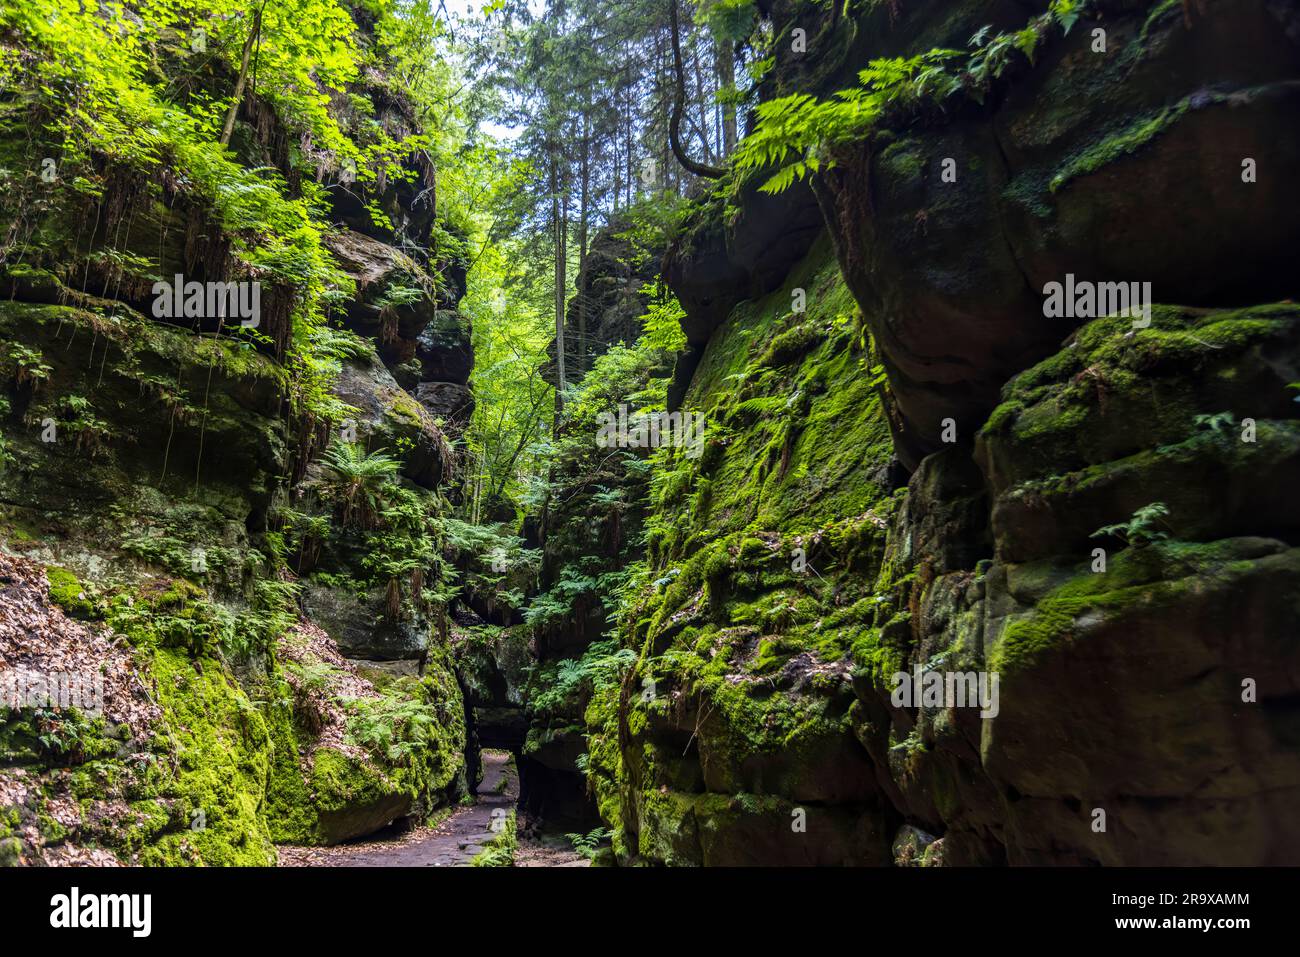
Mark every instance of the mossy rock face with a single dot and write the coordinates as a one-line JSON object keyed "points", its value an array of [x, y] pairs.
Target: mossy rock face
{"points": [[189, 763], [1122, 670], [747, 830], [189, 790], [985, 565], [1064, 171], [389, 419], [1126, 691], [445, 350], [1121, 417], [221, 747], [1120, 674], [148, 465], [361, 625], [353, 798], [744, 684], [329, 791], [393, 304], [127, 404]]}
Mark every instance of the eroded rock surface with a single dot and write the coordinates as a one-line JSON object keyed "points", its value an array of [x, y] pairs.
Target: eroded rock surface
{"points": [[1110, 533]]}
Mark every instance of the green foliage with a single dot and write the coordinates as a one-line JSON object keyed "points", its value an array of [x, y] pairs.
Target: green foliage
{"points": [[356, 482], [26, 366], [67, 736], [555, 605], [1140, 530], [181, 616], [663, 320], [588, 844], [1219, 423], [76, 416], [729, 19], [649, 224], [553, 685], [799, 134], [499, 850], [392, 726], [495, 561], [513, 403], [330, 343]]}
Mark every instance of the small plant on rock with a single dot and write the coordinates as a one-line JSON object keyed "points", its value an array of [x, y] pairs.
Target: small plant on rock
{"points": [[1140, 530], [588, 844], [355, 481]]}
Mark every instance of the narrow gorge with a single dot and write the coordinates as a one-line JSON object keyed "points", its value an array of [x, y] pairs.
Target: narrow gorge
{"points": [[334, 530]]}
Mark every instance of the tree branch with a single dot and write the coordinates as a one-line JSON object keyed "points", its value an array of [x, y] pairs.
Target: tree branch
{"points": [[679, 104]]}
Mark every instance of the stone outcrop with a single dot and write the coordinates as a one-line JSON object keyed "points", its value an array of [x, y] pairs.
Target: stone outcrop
{"points": [[168, 471], [1122, 166], [1107, 528]]}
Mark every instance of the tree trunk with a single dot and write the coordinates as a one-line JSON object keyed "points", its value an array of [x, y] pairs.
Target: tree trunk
{"points": [[727, 81], [679, 104], [701, 102], [557, 215], [228, 128], [627, 113], [583, 212], [618, 166]]}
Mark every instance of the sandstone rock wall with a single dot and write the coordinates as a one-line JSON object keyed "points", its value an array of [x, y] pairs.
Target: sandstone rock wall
{"points": [[1107, 532]]}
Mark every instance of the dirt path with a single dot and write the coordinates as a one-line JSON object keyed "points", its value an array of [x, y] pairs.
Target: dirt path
{"points": [[452, 843]]}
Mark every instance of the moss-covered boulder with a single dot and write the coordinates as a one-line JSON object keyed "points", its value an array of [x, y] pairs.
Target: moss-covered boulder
{"points": [[386, 417], [102, 401], [1132, 603], [1121, 417], [1064, 167]]}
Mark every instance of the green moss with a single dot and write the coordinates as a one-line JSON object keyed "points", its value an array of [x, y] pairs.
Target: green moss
{"points": [[406, 750], [797, 441], [69, 594], [340, 781], [499, 850], [1119, 144], [1137, 580], [789, 346], [795, 446], [216, 773], [291, 810], [1061, 415], [1003, 416], [1165, 9], [668, 831], [903, 160], [403, 408]]}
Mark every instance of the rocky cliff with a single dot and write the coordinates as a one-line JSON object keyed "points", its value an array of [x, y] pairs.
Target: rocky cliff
{"points": [[976, 562], [244, 513], [911, 469]]}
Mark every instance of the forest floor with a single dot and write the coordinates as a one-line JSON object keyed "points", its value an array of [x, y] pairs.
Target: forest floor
{"points": [[453, 842]]}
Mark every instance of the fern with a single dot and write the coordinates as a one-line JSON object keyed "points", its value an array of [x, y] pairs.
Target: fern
{"points": [[587, 844], [356, 481], [799, 134], [1142, 529]]}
